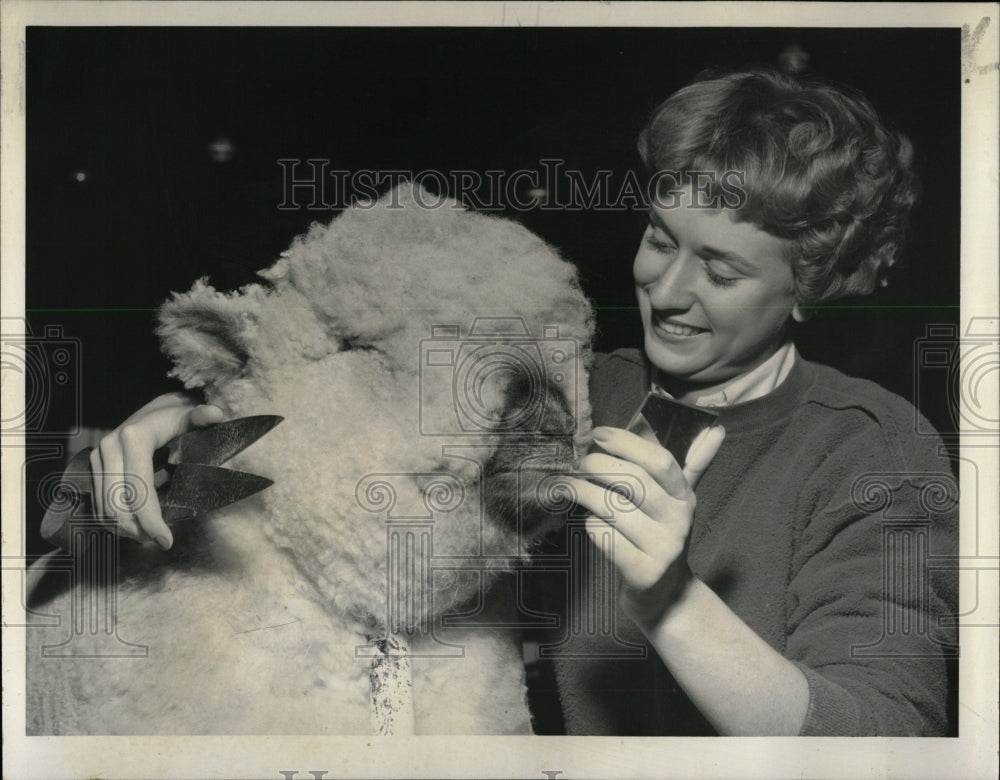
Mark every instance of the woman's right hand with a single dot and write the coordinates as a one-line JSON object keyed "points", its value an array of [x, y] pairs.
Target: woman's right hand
{"points": [[126, 455]]}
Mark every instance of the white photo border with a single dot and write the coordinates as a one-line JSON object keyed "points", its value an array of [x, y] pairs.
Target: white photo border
{"points": [[972, 754]]}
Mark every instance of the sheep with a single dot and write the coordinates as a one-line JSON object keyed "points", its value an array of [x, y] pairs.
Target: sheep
{"points": [[431, 366]]}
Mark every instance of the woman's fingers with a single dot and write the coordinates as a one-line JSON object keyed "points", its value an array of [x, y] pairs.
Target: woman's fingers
{"points": [[106, 460], [626, 518], [206, 414], [179, 399], [138, 458], [645, 534], [122, 466], [139, 440], [110, 493], [632, 481], [650, 456], [703, 449]]}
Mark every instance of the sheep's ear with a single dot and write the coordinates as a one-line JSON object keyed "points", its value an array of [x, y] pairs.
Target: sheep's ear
{"points": [[207, 334]]}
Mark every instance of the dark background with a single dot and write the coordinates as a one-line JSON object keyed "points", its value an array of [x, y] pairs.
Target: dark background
{"points": [[135, 109]]}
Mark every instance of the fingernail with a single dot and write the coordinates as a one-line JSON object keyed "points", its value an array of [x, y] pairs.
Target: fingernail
{"points": [[601, 434], [164, 541]]}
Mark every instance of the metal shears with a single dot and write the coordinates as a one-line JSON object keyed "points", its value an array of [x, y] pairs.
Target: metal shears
{"points": [[187, 470]]}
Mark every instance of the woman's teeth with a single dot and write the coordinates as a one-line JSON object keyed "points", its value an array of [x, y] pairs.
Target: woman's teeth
{"points": [[677, 330]]}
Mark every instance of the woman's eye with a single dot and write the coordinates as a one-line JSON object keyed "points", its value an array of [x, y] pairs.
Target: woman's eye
{"points": [[717, 280], [658, 245]]}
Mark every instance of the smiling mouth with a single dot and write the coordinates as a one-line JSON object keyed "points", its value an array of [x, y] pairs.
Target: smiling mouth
{"points": [[676, 328]]}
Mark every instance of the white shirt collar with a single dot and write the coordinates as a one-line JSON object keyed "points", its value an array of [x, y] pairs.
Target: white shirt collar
{"points": [[756, 383]]}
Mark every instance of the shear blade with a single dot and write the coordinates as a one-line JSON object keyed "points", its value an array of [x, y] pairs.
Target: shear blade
{"points": [[216, 444], [196, 488]]}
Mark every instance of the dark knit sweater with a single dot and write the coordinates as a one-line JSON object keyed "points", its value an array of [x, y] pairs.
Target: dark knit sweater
{"points": [[825, 523]]}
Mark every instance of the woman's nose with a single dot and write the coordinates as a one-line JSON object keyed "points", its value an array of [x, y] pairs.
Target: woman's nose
{"points": [[672, 289]]}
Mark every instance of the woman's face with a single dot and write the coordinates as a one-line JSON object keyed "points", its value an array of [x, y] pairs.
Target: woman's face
{"points": [[714, 294]]}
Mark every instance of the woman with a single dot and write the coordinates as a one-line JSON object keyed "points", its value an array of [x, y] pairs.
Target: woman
{"points": [[762, 606]]}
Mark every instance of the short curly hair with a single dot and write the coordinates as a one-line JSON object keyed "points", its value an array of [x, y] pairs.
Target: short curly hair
{"points": [[820, 170]]}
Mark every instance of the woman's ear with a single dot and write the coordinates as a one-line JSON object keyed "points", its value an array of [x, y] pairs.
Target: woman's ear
{"points": [[799, 314], [207, 334]]}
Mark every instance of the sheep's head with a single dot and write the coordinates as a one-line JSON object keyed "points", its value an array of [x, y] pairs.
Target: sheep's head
{"points": [[430, 364]]}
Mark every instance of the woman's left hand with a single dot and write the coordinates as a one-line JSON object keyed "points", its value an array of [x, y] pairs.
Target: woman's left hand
{"points": [[646, 537]]}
